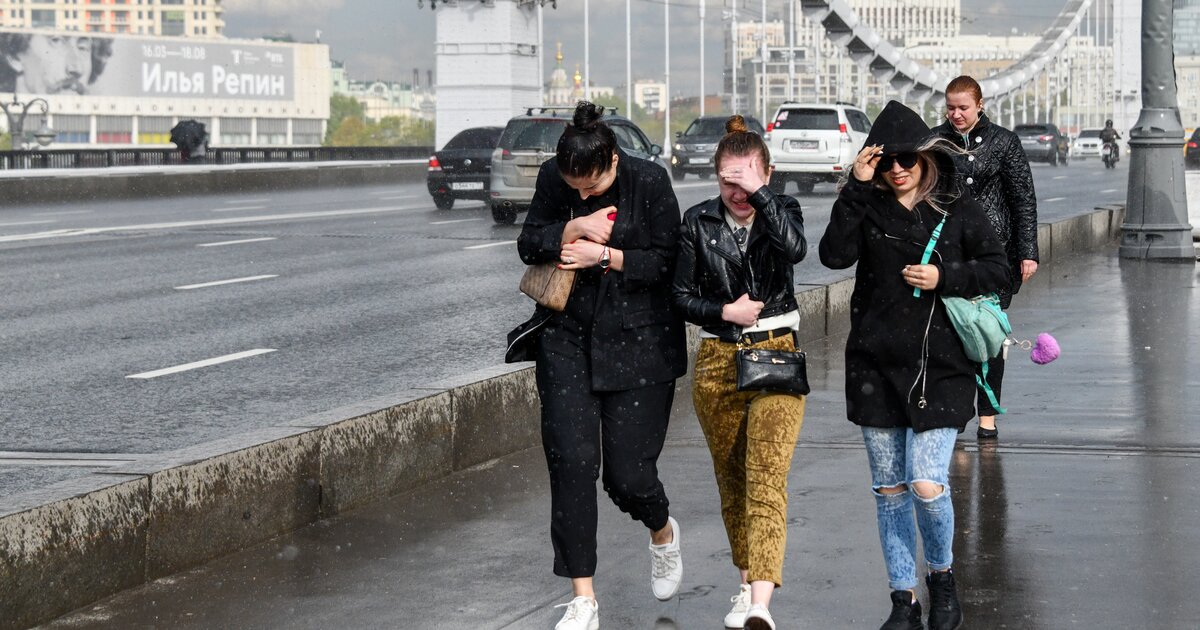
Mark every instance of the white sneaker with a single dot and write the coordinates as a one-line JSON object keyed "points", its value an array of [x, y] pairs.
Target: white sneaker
{"points": [[759, 618], [666, 565], [741, 605], [582, 614]]}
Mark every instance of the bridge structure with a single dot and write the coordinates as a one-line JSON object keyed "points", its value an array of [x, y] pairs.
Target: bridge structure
{"points": [[891, 66]]}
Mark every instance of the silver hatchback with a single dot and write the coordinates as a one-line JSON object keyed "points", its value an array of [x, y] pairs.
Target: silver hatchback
{"points": [[531, 139]]}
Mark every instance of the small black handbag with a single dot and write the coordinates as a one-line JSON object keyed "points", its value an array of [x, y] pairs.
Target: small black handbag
{"points": [[781, 371]]}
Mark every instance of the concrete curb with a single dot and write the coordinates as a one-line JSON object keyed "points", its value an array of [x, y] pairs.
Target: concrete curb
{"points": [[135, 183], [75, 542]]}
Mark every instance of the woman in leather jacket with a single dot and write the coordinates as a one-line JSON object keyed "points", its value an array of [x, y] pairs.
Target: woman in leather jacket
{"points": [[993, 169], [607, 364], [734, 279], [909, 384]]}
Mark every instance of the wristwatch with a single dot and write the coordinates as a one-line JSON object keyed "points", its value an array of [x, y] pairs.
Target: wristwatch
{"points": [[605, 259]]}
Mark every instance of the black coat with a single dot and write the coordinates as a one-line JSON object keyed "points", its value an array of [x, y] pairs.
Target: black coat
{"points": [[637, 339], [996, 173], [712, 273], [888, 325]]}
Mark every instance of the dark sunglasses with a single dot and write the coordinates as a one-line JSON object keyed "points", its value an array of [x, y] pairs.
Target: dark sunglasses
{"points": [[906, 160]]}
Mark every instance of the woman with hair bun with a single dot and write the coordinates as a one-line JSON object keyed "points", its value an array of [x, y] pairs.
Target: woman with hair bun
{"points": [[607, 364], [994, 170], [734, 280]]}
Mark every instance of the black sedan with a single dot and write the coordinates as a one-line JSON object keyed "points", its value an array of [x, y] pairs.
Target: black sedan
{"points": [[1043, 142], [694, 148], [463, 168], [1191, 151]]}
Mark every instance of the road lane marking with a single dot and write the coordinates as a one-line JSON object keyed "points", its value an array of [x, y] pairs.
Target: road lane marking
{"points": [[400, 197], [16, 223], [238, 208], [1110, 190], [454, 221], [491, 245], [204, 222], [245, 240], [1054, 199], [205, 285], [1061, 177], [237, 201], [62, 213], [199, 364]]}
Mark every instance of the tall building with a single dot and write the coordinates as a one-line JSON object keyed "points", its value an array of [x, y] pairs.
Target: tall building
{"points": [[1187, 60], [1187, 28], [180, 18]]}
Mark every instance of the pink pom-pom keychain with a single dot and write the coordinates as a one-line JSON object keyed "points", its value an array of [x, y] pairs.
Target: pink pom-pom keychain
{"points": [[1045, 350], [1042, 352]]}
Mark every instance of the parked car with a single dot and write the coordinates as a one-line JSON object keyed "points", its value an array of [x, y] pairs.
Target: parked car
{"points": [[463, 168], [694, 148], [813, 142], [1191, 150], [1087, 144], [532, 138], [1043, 142]]}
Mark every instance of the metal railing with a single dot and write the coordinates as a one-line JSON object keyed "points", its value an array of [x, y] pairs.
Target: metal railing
{"points": [[102, 158]]}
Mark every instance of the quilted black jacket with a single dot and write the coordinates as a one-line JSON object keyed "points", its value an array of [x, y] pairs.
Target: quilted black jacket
{"points": [[996, 173], [711, 272]]}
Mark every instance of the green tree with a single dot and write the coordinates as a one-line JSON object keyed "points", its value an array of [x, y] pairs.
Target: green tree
{"points": [[388, 132], [342, 107], [5, 142], [349, 133]]}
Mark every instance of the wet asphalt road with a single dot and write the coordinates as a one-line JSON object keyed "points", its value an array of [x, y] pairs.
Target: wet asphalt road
{"points": [[1084, 515], [341, 295]]}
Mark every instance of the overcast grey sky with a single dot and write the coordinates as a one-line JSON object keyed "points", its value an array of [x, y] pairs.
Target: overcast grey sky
{"points": [[386, 39]]}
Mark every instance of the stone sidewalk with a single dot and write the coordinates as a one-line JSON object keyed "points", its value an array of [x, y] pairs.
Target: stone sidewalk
{"points": [[1084, 515]]}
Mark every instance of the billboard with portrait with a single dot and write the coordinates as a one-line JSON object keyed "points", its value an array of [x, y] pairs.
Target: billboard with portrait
{"points": [[50, 62]]}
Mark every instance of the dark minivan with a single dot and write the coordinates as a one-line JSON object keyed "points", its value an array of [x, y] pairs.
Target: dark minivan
{"points": [[463, 168]]}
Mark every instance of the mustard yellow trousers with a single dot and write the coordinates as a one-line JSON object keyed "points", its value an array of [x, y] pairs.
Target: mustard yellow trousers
{"points": [[751, 436]]}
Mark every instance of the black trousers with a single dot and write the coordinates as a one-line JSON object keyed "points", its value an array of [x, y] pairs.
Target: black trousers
{"points": [[583, 429], [994, 376]]}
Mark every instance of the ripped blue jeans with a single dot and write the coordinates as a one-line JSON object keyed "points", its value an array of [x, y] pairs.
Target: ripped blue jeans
{"points": [[899, 457]]}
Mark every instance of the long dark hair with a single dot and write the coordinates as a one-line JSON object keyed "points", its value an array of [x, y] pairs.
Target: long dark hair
{"points": [[587, 146]]}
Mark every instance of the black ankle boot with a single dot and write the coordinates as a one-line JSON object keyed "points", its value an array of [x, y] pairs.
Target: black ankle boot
{"points": [[944, 611], [906, 613]]}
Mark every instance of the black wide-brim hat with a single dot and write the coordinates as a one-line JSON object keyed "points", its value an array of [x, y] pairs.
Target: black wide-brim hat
{"points": [[899, 129]]}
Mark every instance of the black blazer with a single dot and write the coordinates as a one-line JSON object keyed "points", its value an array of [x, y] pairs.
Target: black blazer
{"points": [[888, 325], [637, 338]]}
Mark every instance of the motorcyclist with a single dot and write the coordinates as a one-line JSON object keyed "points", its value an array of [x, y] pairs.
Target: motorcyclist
{"points": [[1108, 135]]}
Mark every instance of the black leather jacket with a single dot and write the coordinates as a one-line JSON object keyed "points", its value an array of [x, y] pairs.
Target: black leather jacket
{"points": [[995, 171], [711, 272]]}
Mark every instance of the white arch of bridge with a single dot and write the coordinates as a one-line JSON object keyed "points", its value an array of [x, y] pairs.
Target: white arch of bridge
{"points": [[890, 65]]}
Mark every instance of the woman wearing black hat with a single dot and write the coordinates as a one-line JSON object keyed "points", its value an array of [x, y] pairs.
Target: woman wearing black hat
{"points": [[909, 384]]}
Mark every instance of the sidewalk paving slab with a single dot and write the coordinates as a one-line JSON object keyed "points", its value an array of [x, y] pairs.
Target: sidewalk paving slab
{"points": [[1084, 515]]}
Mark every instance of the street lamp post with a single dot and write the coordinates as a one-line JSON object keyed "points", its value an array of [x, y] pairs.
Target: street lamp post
{"points": [[1156, 221], [16, 111]]}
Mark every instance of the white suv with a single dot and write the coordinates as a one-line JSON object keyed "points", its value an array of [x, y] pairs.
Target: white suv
{"points": [[812, 142]]}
